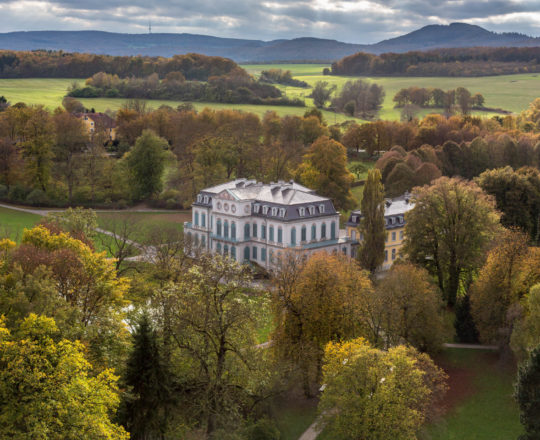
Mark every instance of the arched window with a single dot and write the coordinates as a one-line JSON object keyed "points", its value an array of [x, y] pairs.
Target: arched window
{"points": [[218, 231], [271, 233], [226, 229], [293, 236], [313, 232], [333, 230], [233, 230], [323, 230], [233, 252], [196, 218], [280, 235], [226, 250], [246, 231], [218, 248], [303, 234], [203, 220], [246, 253]]}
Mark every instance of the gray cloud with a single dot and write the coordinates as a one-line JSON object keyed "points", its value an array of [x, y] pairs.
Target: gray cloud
{"points": [[360, 21]]}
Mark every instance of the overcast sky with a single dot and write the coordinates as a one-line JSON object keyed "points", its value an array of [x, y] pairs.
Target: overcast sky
{"points": [[358, 21]]}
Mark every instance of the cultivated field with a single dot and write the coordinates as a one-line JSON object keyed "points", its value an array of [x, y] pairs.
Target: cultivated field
{"points": [[510, 92]]}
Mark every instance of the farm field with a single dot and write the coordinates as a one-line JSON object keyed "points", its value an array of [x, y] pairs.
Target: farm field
{"points": [[510, 92]]}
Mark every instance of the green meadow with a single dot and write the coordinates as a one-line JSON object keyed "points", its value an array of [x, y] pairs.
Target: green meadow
{"points": [[510, 92]]}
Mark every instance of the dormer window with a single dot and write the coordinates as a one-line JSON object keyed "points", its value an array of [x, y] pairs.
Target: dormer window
{"points": [[321, 209], [199, 198], [353, 219], [311, 210], [265, 209], [302, 212], [206, 199], [274, 212], [256, 208], [282, 212]]}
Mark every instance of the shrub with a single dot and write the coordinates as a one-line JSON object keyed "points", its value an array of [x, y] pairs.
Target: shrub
{"points": [[18, 193], [263, 429], [3, 191], [37, 197]]}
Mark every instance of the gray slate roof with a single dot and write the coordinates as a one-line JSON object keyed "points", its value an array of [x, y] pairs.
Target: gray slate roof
{"points": [[394, 210]]}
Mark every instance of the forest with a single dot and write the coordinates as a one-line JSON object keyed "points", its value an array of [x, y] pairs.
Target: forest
{"points": [[478, 61]]}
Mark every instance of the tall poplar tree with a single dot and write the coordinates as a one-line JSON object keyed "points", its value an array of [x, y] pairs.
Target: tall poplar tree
{"points": [[371, 250], [528, 395]]}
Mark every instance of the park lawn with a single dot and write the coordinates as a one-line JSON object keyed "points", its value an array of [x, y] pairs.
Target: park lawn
{"points": [[145, 221], [488, 410], [13, 223]]}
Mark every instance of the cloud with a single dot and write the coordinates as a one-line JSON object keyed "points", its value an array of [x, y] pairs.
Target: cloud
{"points": [[359, 21]]}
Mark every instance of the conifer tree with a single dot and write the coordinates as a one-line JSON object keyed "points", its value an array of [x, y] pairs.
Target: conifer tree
{"points": [[528, 395], [371, 250], [145, 404]]}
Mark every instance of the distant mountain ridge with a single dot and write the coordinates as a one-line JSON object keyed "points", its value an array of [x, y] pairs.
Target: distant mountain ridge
{"points": [[241, 50]]}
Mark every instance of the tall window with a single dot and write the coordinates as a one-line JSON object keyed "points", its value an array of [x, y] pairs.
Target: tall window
{"points": [[226, 250], [233, 230], [293, 236], [394, 236], [233, 252], [385, 255], [393, 254], [303, 235], [226, 229], [218, 248], [246, 253], [263, 254], [218, 223], [313, 232], [203, 241], [323, 230], [196, 218], [280, 235], [254, 230], [271, 232], [263, 232], [254, 252], [246, 231], [401, 235], [333, 230], [203, 220]]}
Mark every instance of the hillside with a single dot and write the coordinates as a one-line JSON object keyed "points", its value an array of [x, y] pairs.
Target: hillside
{"points": [[241, 50]]}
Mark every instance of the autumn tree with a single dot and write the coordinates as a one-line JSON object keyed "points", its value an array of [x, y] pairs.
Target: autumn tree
{"points": [[372, 225], [527, 394], [526, 330], [324, 169], [510, 270], [374, 394], [315, 302], [448, 231], [47, 389], [321, 93], [412, 310]]}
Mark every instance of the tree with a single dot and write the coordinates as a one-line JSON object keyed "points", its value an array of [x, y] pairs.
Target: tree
{"points": [[149, 386], [71, 139], [324, 169], [146, 163], [464, 325], [315, 302], [412, 310], [510, 270], [372, 226], [526, 331], [463, 98], [47, 389], [373, 394], [527, 394], [449, 230], [321, 93], [213, 329], [409, 112], [81, 223]]}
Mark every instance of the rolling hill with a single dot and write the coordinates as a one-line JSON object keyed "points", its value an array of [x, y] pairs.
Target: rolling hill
{"points": [[241, 50]]}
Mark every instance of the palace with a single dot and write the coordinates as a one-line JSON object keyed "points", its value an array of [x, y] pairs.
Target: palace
{"points": [[394, 220], [256, 222]]}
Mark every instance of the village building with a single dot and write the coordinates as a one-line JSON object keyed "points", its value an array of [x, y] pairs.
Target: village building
{"points": [[255, 222], [394, 221], [99, 122]]}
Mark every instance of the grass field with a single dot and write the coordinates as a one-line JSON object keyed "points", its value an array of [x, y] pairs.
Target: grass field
{"points": [[13, 223], [511, 92]]}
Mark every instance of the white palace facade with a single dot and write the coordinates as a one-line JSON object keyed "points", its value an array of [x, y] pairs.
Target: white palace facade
{"points": [[255, 222]]}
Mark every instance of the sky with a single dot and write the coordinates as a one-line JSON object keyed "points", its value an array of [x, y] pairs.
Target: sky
{"points": [[356, 21]]}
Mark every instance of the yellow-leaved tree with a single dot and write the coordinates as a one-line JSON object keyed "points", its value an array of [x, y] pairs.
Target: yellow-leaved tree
{"points": [[47, 390], [372, 394]]}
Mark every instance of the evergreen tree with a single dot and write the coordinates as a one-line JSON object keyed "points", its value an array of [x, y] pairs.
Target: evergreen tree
{"points": [[372, 229], [464, 324], [528, 396], [144, 411]]}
